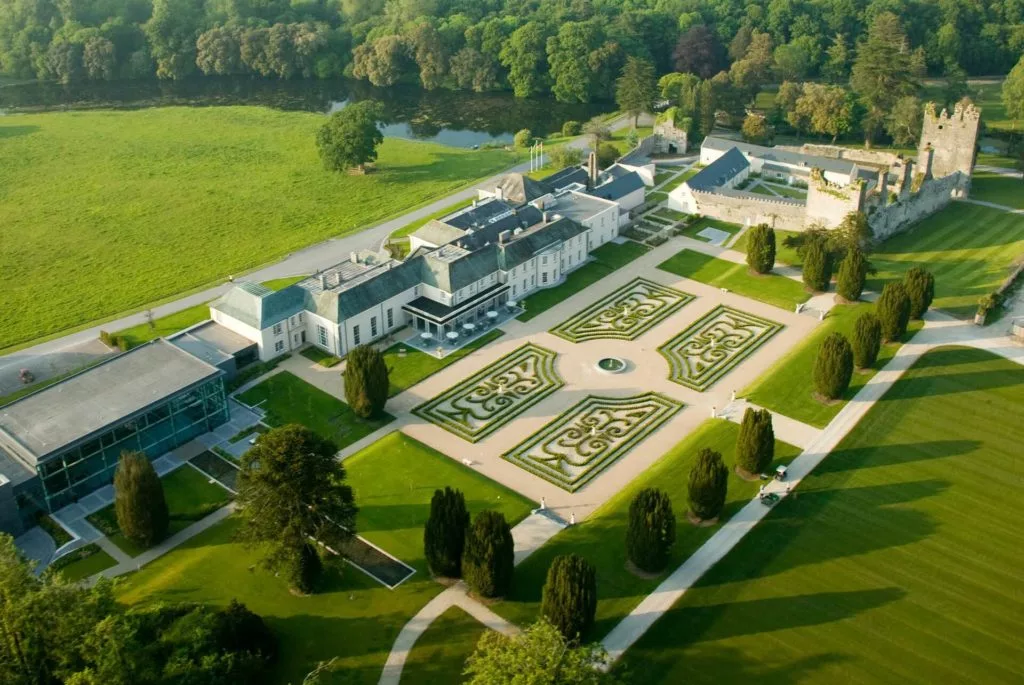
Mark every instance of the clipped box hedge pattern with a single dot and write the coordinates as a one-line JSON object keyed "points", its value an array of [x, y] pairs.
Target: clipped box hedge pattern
{"points": [[625, 313], [592, 434], [490, 398], [714, 344]]}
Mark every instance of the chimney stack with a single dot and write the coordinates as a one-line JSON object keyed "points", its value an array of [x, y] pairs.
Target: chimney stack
{"points": [[592, 170], [323, 281], [545, 216], [499, 193]]}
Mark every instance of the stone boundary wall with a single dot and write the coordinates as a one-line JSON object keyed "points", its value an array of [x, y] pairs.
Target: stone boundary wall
{"points": [[934, 194], [752, 209], [873, 157], [829, 204]]}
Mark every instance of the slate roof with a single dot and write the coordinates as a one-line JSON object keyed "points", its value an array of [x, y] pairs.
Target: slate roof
{"points": [[479, 215], [518, 188], [618, 187], [451, 276], [720, 171], [438, 233], [772, 154], [527, 244], [258, 306], [567, 176], [372, 292], [523, 218]]}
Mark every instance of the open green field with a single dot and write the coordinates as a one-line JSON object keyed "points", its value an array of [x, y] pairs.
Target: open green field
{"points": [[1002, 190], [440, 655], [605, 259], [353, 618], [897, 562], [770, 288], [788, 386], [601, 537], [190, 497], [288, 399], [416, 366], [969, 248], [125, 208]]}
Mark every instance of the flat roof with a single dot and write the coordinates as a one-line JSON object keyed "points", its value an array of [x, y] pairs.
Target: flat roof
{"points": [[78, 406]]}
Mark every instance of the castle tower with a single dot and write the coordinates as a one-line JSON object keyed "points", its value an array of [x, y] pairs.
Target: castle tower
{"points": [[952, 139]]}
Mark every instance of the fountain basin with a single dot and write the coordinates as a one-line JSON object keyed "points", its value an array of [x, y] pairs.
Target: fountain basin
{"points": [[611, 365]]}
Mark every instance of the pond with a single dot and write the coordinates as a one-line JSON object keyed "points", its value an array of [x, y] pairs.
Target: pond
{"points": [[456, 118]]}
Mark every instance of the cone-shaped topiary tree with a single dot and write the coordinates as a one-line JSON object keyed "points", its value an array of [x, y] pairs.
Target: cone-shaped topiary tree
{"points": [[893, 311], [817, 270], [139, 501], [833, 367], [709, 481], [444, 536], [488, 560], [920, 285], [867, 340], [651, 530], [755, 444], [570, 596], [852, 272], [761, 249], [366, 381]]}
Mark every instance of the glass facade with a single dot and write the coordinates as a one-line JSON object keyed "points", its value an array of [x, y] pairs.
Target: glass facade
{"points": [[79, 470]]}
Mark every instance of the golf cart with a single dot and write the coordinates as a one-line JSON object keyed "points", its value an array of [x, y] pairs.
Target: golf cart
{"points": [[769, 498], [780, 472]]}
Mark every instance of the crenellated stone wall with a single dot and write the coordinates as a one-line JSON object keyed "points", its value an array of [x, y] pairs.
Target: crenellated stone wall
{"points": [[951, 139], [751, 209], [828, 203], [911, 207]]}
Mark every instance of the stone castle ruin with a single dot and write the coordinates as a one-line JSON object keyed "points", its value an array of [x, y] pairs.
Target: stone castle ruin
{"points": [[829, 181]]}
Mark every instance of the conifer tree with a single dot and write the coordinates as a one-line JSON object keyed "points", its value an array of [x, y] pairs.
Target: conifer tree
{"points": [[444, 536], [761, 249], [867, 340], [833, 367], [139, 501], [651, 530], [755, 444], [709, 481], [306, 569], [817, 269], [366, 381], [488, 560], [920, 285], [570, 596], [893, 310], [852, 272]]}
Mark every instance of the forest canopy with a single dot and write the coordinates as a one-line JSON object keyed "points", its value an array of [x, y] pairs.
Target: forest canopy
{"points": [[572, 49]]}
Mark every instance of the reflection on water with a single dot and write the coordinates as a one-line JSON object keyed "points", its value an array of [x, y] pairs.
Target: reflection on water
{"points": [[452, 118]]}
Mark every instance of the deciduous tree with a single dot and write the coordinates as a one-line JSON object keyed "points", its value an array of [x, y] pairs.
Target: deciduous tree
{"points": [[292, 491], [893, 310], [904, 121], [1013, 92], [833, 367], [523, 138], [350, 137], [699, 52], [383, 62], [755, 129], [444, 536], [755, 443], [139, 501], [366, 381], [651, 530], [488, 559], [569, 600], [708, 484]]}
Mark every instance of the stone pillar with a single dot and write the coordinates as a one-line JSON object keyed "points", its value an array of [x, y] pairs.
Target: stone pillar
{"points": [[883, 187], [907, 179]]}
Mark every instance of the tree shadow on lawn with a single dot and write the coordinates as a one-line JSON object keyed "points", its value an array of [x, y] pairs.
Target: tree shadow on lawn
{"points": [[937, 383], [390, 517], [446, 166], [857, 458]]}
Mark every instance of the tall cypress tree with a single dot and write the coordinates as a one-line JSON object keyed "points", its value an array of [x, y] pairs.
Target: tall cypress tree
{"points": [[893, 310], [920, 286], [852, 272], [569, 601], [817, 269], [139, 501], [489, 559], [651, 530], [761, 248], [833, 367], [709, 482], [444, 536], [366, 381], [867, 340], [755, 443]]}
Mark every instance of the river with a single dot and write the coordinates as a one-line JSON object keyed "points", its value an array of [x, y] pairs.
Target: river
{"points": [[456, 118]]}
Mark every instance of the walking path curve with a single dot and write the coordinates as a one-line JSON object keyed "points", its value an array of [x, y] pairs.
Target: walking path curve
{"points": [[939, 330], [993, 205]]}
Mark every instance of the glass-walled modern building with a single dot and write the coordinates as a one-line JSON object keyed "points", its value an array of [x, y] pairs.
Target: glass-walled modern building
{"points": [[71, 435]]}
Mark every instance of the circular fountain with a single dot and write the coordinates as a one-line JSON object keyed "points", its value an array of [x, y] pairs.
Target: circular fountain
{"points": [[611, 365]]}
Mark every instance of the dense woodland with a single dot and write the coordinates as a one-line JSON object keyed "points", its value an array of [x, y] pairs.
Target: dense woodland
{"points": [[571, 49]]}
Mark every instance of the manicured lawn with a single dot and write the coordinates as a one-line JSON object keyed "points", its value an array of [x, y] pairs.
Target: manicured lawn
{"points": [[606, 259], [618, 138], [771, 289], [680, 180], [83, 562], [788, 387], [190, 497], [662, 176], [783, 254], [601, 537], [1002, 190], [989, 159], [898, 561], [657, 197], [318, 356], [440, 655], [126, 208], [670, 214], [353, 618], [783, 190], [416, 366], [970, 249], [696, 227], [761, 190], [288, 399]]}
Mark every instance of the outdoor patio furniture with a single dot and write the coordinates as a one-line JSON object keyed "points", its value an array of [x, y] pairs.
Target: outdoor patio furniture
{"points": [[452, 335], [469, 327], [492, 314], [425, 336]]}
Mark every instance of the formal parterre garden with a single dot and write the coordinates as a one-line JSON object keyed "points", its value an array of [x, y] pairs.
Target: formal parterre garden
{"points": [[589, 436], [624, 314], [115, 206], [490, 398], [715, 344], [898, 560]]}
